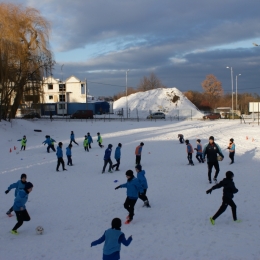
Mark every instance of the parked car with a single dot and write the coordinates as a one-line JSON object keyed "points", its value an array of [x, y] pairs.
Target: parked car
{"points": [[81, 114], [157, 115], [230, 116], [212, 116], [32, 115]]}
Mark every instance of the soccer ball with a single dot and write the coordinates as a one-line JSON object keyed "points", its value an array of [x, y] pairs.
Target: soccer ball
{"points": [[39, 230]]}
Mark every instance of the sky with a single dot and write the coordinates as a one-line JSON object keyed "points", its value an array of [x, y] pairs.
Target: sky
{"points": [[180, 41]]}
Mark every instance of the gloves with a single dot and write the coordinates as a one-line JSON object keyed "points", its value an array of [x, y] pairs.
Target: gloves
{"points": [[117, 187], [209, 191], [6, 191], [195, 149]]}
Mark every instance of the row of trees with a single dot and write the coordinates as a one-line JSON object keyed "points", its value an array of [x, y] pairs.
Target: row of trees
{"points": [[25, 56]]}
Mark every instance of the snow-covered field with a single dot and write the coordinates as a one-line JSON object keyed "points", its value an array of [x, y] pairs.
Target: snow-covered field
{"points": [[76, 206]]}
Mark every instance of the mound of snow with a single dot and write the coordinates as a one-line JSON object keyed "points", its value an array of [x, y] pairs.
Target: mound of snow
{"points": [[170, 101]]}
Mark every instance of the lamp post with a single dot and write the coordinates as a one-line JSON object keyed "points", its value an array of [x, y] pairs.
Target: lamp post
{"points": [[62, 90], [126, 94], [236, 88], [232, 90]]}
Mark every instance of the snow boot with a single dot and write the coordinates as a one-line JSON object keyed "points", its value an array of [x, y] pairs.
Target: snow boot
{"points": [[212, 221]]}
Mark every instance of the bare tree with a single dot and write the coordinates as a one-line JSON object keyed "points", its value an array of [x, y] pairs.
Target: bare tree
{"points": [[151, 82], [212, 88], [25, 56]]}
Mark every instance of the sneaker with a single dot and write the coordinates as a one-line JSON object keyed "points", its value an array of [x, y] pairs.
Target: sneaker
{"points": [[57, 170], [117, 170], [212, 221], [192, 164], [238, 221], [128, 221], [127, 217], [64, 169], [215, 180], [146, 204], [210, 182], [103, 171], [14, 232], [110, 171]]}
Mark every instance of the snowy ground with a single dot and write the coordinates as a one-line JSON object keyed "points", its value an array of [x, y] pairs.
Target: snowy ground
{"points": [[75, 207]]}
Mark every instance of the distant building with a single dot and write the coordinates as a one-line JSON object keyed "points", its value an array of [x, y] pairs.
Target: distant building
{"points": [[72, 90]]}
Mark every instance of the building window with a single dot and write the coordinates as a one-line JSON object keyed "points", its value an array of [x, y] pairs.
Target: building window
{"points": [[50, 86], [62, 98], [62, 87], [82, 89], [61, 106], [50, 97]]}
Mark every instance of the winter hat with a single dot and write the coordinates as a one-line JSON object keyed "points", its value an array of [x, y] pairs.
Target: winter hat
{"points": [[70, 145], [231, 140], [24, 136], [23, 176], [116, 223], [47, 136], [110, 146], [138, 167], [198, 140], [60, 143], [28, 185], [229, 175], [187, 141], [88, 133], [211, 138], [129, 173], [98, 133], [120, 145], [141, 143]]}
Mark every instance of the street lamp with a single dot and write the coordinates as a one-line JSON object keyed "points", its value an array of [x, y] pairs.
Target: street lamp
{"points": [[232, 90], [236, 88], [126, 93]]}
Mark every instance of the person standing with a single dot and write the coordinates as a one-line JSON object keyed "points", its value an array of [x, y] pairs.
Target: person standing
{"points": [[231, 147], [199, 151], [142, 179], [117, 157], [100, 140], [90, 140], [133, 188], [211, 150], [69, 154], [229, 190], [59, 154], [85, 143], [189, 152], [72, 138], [107, 159], [181, 138], [138, 153], [19, 206], [19, 185], [23, 143], [113, 239]]}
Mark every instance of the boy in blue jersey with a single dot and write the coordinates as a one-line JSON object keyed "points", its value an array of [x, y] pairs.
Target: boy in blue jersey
{"points": [[69, 154], [189, 152], [231, 147], [199, 151], [113, 238], [19, 185], [133, 190], [20, 208], [72, 138], [117, 157]]}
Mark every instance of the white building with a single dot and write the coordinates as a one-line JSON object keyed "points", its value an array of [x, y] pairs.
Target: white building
{"points": [[70, 90]]}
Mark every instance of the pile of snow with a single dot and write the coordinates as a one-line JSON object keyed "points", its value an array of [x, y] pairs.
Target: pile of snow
{"points": [[170, 101]]}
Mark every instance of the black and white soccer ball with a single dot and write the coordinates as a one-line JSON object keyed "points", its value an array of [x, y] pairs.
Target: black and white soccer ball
{"points": [[39, 230]]}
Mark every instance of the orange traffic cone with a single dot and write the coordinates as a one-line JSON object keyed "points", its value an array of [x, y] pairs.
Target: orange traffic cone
{"points": [[10, 150], [14, 148]]}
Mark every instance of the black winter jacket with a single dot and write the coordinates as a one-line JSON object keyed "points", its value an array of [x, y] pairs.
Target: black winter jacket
{"points": [[228, 188], [212, 151]]}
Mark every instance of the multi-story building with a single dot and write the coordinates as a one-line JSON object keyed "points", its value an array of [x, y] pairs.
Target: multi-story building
{"points": [[64, 92]]}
